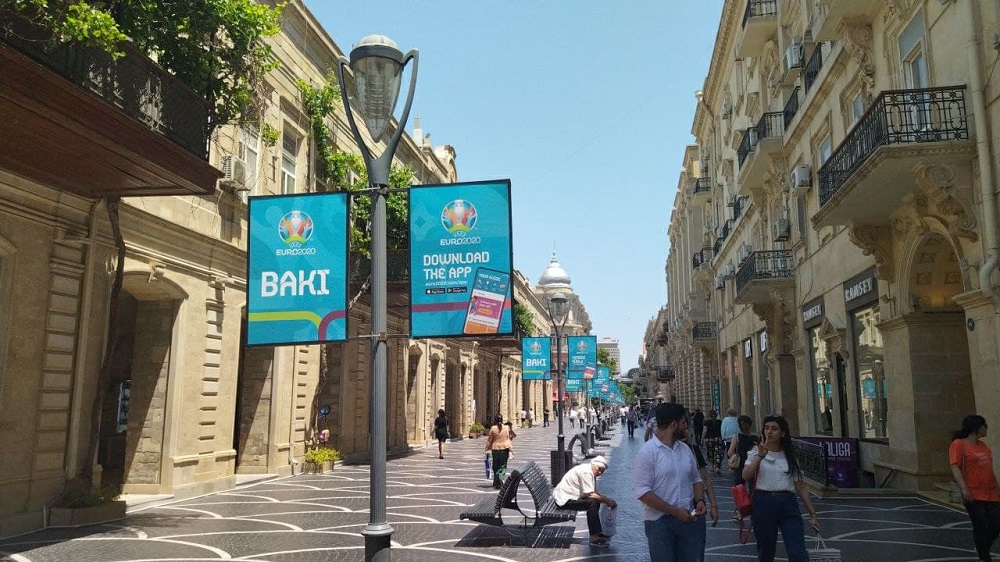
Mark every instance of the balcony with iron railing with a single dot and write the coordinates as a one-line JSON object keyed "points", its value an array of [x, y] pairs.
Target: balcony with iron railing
{"points": [[791, 107], [740, 206], [701, 257], [763, 272], [871, 172], [701, 188], [665, 374], [812, 68], [760, 25], [704, 332], [758, 144], [83, 122]]}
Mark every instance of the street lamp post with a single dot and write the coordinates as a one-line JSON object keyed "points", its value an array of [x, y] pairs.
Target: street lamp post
{"points": [[558, 312], [377, 65]]}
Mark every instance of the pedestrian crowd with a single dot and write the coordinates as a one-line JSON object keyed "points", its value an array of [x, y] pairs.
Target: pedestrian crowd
{"points": [[672, 481]]}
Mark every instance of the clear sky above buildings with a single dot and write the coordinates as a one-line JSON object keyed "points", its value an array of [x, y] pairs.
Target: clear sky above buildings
{"points": [[585, 105]]}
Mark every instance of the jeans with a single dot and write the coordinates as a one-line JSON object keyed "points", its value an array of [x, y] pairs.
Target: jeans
{"points": [[985, 518], [773, 512], [593, 509], [672, 541]]}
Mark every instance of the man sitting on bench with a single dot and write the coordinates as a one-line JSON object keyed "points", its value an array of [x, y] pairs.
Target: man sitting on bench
{"points": [[578, 491]]}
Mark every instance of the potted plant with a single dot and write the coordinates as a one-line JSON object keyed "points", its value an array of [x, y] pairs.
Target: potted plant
{"points": [[475, 430], [321, 459], [81, 504]]}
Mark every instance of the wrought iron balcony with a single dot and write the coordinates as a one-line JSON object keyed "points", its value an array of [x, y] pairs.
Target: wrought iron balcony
{"points": [[717, 246], [770, 126], [701, 257], [760, 24], [665, 374], [761, 272], [901, 129], [812, 68], [741, 205], [94, 126], [791, 107], [704, 332], [701, 185], [727, 228]]}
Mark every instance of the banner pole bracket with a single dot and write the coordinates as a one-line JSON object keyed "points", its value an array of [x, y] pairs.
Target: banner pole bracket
{"points": [[382, 337]]}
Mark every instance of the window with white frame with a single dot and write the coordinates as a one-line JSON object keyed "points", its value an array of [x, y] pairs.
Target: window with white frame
{"points": [[911, 54], [824, 149], [250, 154], [289, 153]]}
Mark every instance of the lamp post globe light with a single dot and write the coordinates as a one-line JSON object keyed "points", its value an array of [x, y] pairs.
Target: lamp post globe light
{"points": [[558, 313], [377, 66]]}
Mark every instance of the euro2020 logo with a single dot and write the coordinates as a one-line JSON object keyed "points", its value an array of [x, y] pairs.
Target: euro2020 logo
{"points": [[536, 347], [581, 346], [459, 217], [295, 228]]}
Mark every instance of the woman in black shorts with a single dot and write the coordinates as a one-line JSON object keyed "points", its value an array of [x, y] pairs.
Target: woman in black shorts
{"points": [[441, 431]]}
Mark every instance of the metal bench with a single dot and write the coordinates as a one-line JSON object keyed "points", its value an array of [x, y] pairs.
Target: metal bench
{"points": [[488, 509], [546, 510]]}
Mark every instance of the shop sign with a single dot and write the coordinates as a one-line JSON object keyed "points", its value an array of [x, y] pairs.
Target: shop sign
{"points": [[842, 459], [861, 289], [813, 313]]}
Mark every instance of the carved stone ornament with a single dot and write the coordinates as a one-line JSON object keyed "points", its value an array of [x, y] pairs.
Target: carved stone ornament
{"points": [[778, 315], [875, 240], [936, 181], [833, 332], [858, 42]]}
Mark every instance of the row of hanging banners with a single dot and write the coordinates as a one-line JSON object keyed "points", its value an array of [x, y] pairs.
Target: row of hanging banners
{"points": [[536, 361], [461, 264]]}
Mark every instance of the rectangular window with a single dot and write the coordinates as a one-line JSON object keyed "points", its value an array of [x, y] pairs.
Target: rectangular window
{"points": [[857, 108], [869, 363], [250, 137], [289, 151], [822, 391], [825, 150]]}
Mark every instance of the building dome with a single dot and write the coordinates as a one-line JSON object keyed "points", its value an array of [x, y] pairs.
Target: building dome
{"points": [[554, 277]]}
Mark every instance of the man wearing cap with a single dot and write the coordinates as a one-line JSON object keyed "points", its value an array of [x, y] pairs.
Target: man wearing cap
{"points": [[669, 485], [578, 491]]}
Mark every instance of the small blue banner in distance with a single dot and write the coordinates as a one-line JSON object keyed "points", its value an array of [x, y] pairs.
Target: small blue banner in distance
{"points": [[536, 354], [582, 354]]}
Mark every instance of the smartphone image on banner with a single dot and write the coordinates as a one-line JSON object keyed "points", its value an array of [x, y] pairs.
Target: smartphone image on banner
{"points": [[489, 292]]}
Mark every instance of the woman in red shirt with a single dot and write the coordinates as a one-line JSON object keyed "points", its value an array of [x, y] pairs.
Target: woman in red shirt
{"points": [[972, 466]]}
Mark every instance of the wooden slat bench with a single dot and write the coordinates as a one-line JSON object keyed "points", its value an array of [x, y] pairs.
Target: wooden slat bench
{"points": [[487, 510]]}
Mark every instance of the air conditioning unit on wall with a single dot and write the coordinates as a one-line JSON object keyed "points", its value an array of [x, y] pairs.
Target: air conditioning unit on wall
{"points": [[801, 178], [234, 172]]}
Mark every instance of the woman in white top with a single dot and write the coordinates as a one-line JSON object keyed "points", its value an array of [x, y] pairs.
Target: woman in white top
{"points": [[778, 478]]}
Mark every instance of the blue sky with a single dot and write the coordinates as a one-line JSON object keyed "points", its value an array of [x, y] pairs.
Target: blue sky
{"points": [[585, 105]]}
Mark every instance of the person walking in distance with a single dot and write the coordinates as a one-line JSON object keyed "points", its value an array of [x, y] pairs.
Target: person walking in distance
{"points": [[667, 482], [499, 444], [778, 478], [740, 445], [578, 490], [698, 426], [730, 425], [545, 417], [572, 417], [712, 436], [632, 417], [441, 431], [972, 466]]}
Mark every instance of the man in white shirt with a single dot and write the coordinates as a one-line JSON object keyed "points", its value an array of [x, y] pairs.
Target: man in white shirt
{"points": [[578, 491], [667, 482]]}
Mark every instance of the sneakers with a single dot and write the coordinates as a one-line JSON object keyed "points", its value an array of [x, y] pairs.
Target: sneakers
{"points": [[600, 543]]}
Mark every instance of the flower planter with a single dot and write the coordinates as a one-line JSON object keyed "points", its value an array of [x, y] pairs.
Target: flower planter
{"points": [[64, 517], [320, 468]]}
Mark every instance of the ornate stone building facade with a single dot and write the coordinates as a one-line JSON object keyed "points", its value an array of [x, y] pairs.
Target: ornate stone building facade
{"points": [[834, 241], [190, 407]]}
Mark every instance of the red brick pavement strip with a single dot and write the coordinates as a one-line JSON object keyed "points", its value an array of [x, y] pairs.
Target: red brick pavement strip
{"points": [[320, 518]]}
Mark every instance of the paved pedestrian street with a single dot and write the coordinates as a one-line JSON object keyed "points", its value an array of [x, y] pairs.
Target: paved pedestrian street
{"points": [[315, 518]]}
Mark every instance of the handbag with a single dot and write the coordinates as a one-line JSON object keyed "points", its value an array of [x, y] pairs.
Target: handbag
{"points": [[743, 497], [734, 461], [822, 553], [608, 520]]}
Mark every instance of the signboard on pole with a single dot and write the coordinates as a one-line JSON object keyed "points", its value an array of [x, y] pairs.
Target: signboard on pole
{"points": [[582, 356], [574, 385], [297, 269], [536, 353], [461, 259]]}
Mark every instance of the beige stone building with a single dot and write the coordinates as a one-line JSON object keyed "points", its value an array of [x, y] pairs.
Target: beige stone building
{"points": [[189, 407], [834, 241]]}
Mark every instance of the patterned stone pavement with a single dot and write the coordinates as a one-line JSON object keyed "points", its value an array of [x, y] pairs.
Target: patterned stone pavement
{"points": [[314, 518]]}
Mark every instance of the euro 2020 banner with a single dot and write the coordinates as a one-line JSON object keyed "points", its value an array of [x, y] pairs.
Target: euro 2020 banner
{"points": [[460, 259], [297, 269], [536, 354], [582, 355]]}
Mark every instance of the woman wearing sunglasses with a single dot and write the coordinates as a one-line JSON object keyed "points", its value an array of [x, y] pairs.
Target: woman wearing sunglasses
{"points": [[778, 476]]}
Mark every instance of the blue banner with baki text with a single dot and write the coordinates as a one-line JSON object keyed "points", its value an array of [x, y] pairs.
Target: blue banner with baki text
{"points": [[574, 385], [461, 260], [297, 269], [582, 356], [536, 353]]}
